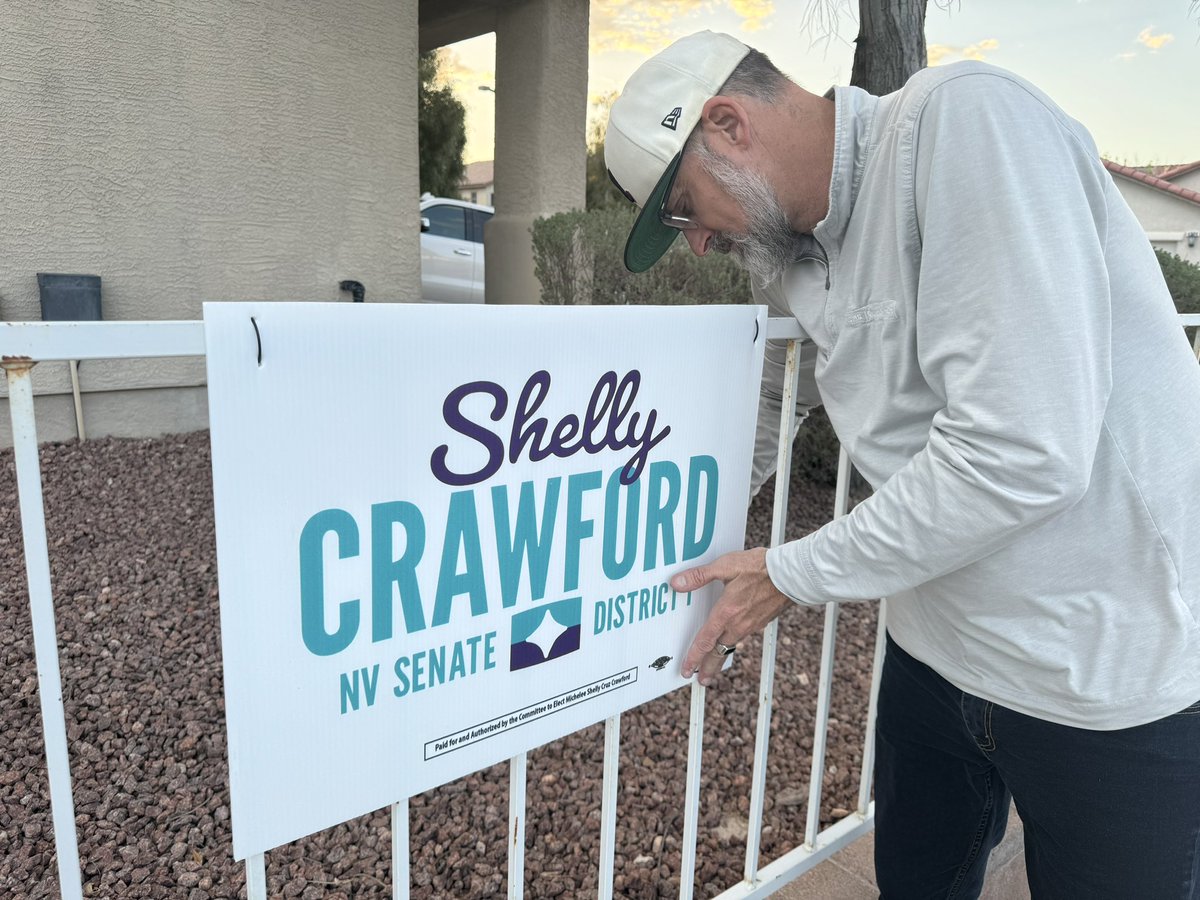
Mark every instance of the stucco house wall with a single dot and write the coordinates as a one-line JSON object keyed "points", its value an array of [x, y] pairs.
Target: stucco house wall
{"points": [[204, 150], [1189, 180], [478, 183], [1166, 218]]}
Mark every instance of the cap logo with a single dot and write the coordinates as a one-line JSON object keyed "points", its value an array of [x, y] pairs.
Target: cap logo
{"points": [[672, 118]]}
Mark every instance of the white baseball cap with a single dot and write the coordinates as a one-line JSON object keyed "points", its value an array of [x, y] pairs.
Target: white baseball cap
{"points": [[651, 121]]}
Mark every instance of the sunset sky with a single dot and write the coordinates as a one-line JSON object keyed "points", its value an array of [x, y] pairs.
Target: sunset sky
{"points": [[1128, 69]]}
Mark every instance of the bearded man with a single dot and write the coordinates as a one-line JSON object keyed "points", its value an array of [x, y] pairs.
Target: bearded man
{"points": [[989, 331]]}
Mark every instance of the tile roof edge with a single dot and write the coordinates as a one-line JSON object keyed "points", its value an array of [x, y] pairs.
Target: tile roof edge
{"points": [[1181, 169], [1153, 181]]}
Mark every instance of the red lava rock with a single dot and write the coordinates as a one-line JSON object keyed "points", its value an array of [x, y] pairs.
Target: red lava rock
{"points": [[133, 565], [188, 879]]}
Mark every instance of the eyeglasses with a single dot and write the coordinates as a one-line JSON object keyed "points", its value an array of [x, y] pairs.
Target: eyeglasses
{"points": [[683, 223]]}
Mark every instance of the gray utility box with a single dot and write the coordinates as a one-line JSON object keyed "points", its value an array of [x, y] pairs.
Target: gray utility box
{"points": [[69, 298]]}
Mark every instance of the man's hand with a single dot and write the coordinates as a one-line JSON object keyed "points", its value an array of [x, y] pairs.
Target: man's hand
{"points": [[749, 601]]}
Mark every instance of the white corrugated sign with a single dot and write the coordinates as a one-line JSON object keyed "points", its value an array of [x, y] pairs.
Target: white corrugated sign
{"points": [[444, 533]]}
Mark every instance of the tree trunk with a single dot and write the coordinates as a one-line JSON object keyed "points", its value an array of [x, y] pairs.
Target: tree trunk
{"points": [[891, 44]]}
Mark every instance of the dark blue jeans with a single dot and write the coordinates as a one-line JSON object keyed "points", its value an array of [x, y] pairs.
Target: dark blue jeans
{"points": [[1107, 814]]}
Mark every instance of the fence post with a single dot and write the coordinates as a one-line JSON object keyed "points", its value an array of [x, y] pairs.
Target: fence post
{"points": [[41, 609], [516, 826], [766, 684], [401, 877], [608, 805]]}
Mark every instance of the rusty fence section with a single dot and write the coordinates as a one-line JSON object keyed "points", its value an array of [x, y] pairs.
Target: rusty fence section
{"points": [[24, 344]]}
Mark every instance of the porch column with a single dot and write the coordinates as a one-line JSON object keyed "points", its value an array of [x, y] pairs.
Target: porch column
{"points": [[541, 153]]}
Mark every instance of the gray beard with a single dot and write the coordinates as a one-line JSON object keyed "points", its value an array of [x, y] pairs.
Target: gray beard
{"points": [[769, 244]]}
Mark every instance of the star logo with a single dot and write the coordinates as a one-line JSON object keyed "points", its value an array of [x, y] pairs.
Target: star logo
{"points": [[545, 632]]}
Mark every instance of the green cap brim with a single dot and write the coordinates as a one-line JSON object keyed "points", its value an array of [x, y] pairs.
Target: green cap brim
{"points": [[649, 238]]}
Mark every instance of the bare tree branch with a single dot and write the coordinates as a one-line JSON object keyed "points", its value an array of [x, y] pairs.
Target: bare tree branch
{"points": [[822, 19]]}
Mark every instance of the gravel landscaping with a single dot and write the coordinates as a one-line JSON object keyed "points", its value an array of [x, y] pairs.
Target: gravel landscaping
{"points": [[133, 563]]}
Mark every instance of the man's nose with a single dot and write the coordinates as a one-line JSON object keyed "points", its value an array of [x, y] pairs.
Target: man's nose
{"points": [[698, 239]]}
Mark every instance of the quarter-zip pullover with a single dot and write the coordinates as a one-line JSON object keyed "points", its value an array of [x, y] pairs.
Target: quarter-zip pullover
{"points": [[995, 346]]}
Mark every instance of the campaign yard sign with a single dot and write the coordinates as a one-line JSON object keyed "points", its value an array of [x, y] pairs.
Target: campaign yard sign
{"points": [[445, 533]]}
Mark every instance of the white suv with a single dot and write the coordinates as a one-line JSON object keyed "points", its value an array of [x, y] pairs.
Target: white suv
{"points": [[452, 250]]}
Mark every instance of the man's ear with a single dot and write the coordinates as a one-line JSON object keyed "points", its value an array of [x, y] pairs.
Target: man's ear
{"points": [[725, 122]]}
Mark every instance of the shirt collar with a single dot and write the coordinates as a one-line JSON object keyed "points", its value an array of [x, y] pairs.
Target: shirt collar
{"points": [[854, 114]]}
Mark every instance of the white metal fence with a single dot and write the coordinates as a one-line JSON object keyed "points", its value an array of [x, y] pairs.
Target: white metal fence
{"points": [[24, 344]]}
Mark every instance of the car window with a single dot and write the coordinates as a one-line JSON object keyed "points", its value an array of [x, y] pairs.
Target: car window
{"points": [[478, 220], [446, 221]]}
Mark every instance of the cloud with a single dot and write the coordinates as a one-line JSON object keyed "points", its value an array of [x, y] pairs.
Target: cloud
{"points": [[637, 26], [1127, 56], [1154, 41], [941, 53], [936, 53], [754, 13], [464, 79], [976, 51]]}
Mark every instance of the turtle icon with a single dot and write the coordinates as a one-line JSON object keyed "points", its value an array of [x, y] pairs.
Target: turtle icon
{"points": [[660, 663]]}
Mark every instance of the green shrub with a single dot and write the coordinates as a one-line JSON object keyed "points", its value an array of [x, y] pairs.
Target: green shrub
{"points": [[577, 257], [1183, 281]]}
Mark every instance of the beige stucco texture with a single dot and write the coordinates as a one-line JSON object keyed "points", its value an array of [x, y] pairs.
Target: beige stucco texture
{"points": [[204, 151]]}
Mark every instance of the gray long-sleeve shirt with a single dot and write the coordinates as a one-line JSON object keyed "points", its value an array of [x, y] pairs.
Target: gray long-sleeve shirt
{"points": [[995, 347]]}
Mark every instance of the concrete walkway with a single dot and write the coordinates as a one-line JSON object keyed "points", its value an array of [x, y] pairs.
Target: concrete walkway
{"points": [[850, 874]]}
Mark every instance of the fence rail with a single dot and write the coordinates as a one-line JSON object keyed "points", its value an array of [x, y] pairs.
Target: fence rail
{"points": [[22, 345]]}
